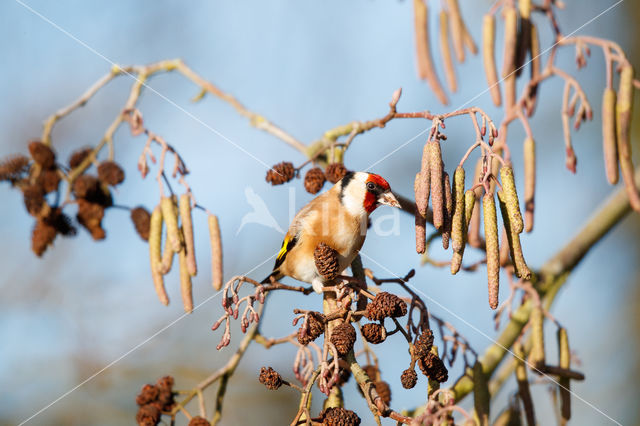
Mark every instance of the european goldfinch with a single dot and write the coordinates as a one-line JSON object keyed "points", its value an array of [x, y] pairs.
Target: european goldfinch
{"points": [[338, 218]]}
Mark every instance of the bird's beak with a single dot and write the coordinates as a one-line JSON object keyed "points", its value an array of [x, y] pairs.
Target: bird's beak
{"points": [[389, 199]]}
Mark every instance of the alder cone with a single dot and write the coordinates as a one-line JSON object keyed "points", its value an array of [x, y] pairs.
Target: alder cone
{"points": [[90, 216], [148, 415], [141, 219], [33, 196], [42, 237], [343, 338], [433, 367], [314, 180], [338, 416], [199, 421], [423, 344], [409, 378], [50, 180], [315, 328], [326, 260], [13, 168], [42, 154], [110, 173], [281, 173], [148, 394], [384, 391], [386, 305], [270, 378], [335, 172], [78, 157], [373, 333]]}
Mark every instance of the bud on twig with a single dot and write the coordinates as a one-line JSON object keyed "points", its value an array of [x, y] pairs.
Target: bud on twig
{"points": [[489, 57], [492, 246], [155, 248], [624, 108], [187, 230], [609, 143], [529, 181], [216, 252]]}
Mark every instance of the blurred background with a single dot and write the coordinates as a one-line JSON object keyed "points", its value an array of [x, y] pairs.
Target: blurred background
{"points": [[308, 67]]}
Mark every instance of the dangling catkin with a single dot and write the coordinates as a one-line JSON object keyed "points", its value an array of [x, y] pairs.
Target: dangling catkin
{"points": [[536, 321], [492, 246], [449, 70], [510, 53], [564, 354], [481, 396], [511, 198], [422, 185], [187, 230], [489, 57], [457, 221], [624, 107], [448, 212], [437, 189], [513, 239], [536, 68], [457, 28], [426, 70], [170, 217], [216, 252], [155, 248], [523, 383], [529, 182], [185, 283], [609, 143]]}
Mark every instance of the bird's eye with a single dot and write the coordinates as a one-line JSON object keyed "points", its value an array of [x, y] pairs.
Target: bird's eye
{"points": [[371, 186]]}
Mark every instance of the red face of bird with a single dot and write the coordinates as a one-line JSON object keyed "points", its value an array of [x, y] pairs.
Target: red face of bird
{"points": [[365, 192]]}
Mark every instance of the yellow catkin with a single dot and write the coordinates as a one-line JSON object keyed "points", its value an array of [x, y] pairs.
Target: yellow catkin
{"points": [[457, 28], [529, 182], [155, 248], [458, 219], [511, 198], [510, 54], [216, 252], [426, 69], [185, 283], [536, 320], [445, 51], [489, 57], [448, 213], [469, 204], [421, 233], [437, 189], [513, 240], [170, 216], [187, 231], [492, 247], [422, 184], [167, 258], [525, 8], [624, 107], [609, 143], [523, 383], [564, 358], [481, 396], [535, 68]]}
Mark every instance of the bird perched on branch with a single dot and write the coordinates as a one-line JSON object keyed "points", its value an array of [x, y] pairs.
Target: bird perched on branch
{"points": [[337, 218]]}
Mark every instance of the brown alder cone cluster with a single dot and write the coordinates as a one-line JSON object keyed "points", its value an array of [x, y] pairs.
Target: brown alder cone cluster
{"points": [[314, 179]]}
